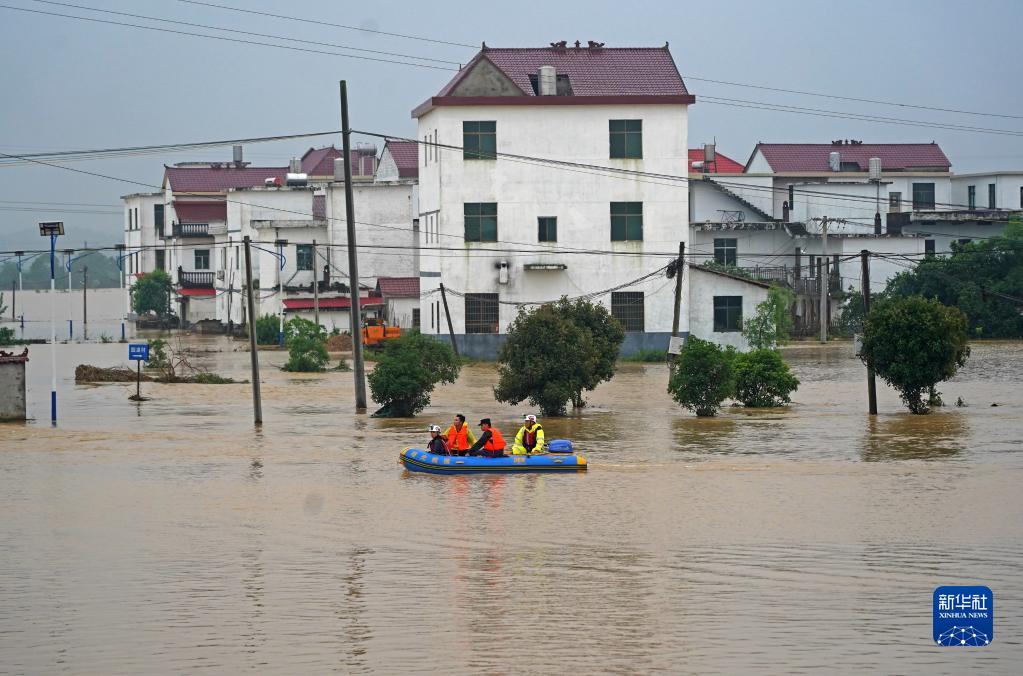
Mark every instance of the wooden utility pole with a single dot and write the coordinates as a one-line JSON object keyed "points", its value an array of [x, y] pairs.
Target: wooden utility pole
{"points": [[865, 277], [824, 281], [85, 299], [451, 329], [678, 288], [257, 405], [316, 287], [353, 257]]}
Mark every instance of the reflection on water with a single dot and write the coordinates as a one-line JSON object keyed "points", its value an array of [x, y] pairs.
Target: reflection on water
{"points": [[171, 535]]}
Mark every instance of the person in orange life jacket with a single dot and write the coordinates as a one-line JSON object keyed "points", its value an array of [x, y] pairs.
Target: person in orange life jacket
{"points": [[530, 438], [436, 444], [490, 444], [459, 436]]}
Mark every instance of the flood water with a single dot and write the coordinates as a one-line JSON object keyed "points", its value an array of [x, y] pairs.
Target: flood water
{"points": [[171, 535], [28, 314]]}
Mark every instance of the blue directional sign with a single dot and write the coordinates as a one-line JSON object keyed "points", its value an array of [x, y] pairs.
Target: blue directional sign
{"points": [[138, 351]]}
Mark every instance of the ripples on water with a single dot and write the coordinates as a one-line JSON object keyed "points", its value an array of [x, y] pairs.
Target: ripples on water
{"points": [[171, 536]]}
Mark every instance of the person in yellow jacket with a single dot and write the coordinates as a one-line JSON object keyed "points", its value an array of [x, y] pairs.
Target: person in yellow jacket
{"points": [[530, 439]]}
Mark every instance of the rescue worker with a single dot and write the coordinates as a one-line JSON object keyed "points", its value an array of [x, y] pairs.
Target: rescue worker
{"points": [[459, 437], [437, 444], [530, 439], [490, 444]]}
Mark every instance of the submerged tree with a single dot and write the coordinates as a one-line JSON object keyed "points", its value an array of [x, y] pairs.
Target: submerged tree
{"points": [[702, 376], [556, 352], [407, 371], [772, 325], [152, 293], [307, 345], [913, 344], [762, 379]]}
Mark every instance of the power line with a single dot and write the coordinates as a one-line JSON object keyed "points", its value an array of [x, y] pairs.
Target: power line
{"points": [[241, 32], [222, 38], [327, 23]]}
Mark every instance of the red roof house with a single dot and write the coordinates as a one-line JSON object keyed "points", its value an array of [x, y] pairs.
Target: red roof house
{"points": [[722, 164], [405, 155], [219, 178], [398, 287], [855, 156], [320, 162]]}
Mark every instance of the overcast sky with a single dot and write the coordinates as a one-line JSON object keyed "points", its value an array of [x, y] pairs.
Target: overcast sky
{"points": [[72, 84]]}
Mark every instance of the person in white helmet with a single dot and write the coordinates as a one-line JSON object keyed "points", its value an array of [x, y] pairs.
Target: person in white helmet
{"points": [[530, 439], [436, 444]]}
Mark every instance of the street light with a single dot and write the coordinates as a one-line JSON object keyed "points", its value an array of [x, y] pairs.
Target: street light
{"points": [[70, 317], [53, 230], [280, 244]]}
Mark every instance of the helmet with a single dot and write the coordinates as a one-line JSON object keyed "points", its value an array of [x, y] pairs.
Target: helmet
{"points": [[529, 418], [435, 428]]}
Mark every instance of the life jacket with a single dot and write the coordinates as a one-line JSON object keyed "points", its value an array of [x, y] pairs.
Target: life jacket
{"points": [[495, 442], [529, 436], [458, 439]]}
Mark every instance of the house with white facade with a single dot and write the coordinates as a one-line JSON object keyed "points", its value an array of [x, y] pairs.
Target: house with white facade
{"points": [[501, 233], [143, 231]]}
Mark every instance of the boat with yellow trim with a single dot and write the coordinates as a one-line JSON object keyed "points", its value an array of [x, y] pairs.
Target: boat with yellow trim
{"points": [[418, 460]]}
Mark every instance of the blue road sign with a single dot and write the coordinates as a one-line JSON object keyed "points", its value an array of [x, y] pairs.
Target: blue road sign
{"points": [[138, 351]]}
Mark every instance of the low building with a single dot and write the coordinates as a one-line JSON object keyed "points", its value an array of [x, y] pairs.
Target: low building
{"points": [[720, 302], [401, 299]]}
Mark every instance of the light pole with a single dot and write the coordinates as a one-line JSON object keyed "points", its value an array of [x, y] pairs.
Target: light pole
{"points": [[53, 230], [70, 316], [280, 244], [120, 268]]}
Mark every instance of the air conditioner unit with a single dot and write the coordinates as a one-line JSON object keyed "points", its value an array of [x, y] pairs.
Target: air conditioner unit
{"points": [[220, 275]]}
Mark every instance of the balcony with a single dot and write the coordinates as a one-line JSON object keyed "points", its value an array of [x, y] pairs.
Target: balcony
{"points": [[195, 280], [191, 230]]}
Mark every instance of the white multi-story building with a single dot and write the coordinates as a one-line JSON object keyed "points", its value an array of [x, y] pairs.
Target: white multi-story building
{"points": [[988, 191], [499, 230], [143, 229]]}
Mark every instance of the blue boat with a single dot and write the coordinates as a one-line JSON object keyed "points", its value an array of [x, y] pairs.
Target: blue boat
{"points": [[418, 460]]}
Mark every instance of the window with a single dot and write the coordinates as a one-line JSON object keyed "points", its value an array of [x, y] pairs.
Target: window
{"points": [[727, 313], [481, 313], [415, 318], [792, 196], [626, 221], [971, 197], [895, 202], [627, 308], [929, 247], [725, 251], [923, 196], [304, 256], [236, 258], [626, 138], [812, 266], [158, 218], [480, 221], [990, 195], [160, 259], [202, 259], [1021, 197], [479, 140], [548, 229]]}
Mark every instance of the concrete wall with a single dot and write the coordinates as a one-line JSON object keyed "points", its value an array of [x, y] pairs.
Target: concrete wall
{"points": [[399, 311], [765, 246], [142, 235], [384, 229], [856, 201], [1008, 189], [702, 289], [12, 390], [526, 191]]}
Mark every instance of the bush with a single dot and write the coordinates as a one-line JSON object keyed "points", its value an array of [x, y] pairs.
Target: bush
{"points": [[913, 344], [158, 358], [7, 336], [307, 346], [267, 328], [701, 377], [762, 379], [647, 355], [772, 325], [556, 352], [152, 293], [406, 372]]}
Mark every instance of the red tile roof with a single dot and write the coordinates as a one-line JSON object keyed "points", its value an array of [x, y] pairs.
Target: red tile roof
{"points": [[196, 292], [722, 164], [334, 303], [200, 212], [209, 179], [604, 71], [398, 287], [320, 162], [814, 156], [406, 157]]}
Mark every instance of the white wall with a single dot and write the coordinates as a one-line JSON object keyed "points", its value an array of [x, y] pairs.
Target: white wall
{"points": [[383, 229], [525, 191], [142, 235], [702, 289], [767, 246], [1008, 186], [855, 201], [399, 311]]}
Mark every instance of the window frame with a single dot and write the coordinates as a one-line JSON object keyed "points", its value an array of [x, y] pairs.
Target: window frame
{"points": [[545, 225], [626, 221], [919, 204], [724, 246], [487, 319], [474, 223], [895, 201], [629, 313], [929, 247], [304, 257], [474, 136], [196, 256], [971, 197], [627, 135], [991, 195], [727, 311]]}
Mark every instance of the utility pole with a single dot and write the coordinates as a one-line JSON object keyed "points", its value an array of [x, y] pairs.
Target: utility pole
{"points": [[865, 277], [316, 287], [281, 243], [353, 257], [70, 316], [824, 281], [14, 300], [257, 406], [85, 301], [447, 313], [678, 288]]}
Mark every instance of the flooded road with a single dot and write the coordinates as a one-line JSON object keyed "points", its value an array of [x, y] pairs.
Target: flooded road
{"points": [[28, 314], [170, 535]]}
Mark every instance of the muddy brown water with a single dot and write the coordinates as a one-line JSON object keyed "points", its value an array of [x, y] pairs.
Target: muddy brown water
{"points": [[171, 535]]}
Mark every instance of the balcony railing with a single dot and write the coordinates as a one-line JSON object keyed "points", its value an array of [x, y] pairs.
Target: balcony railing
{"points": [[195, 280], [191, 230]]}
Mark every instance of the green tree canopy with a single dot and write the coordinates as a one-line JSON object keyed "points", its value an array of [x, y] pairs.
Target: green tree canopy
{"points": [[772, 325], [702, 377], [152, 293], [762, 379], [556, 352], [307, 345], [407, 371], [913, 344]]}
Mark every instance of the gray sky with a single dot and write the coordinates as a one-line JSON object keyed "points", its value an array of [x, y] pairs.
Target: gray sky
{"points": [[72, 84]]}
